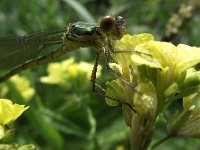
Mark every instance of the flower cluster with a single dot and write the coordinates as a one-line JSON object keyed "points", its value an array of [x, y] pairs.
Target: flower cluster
{"points": [[68, 71], [158, 73]]}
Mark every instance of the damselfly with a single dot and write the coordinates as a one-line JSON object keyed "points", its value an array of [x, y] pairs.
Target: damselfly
{"points": [[21, 52], [18, 53]]}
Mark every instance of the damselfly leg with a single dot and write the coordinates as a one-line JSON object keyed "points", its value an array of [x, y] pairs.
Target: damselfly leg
{"points": [[97, 88]]}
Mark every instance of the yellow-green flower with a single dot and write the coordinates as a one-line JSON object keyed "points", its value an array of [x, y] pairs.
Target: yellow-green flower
{"points": [[23, 86], [17, 147], [9, 112], [58, 72], [68, 70], [161, 63]]}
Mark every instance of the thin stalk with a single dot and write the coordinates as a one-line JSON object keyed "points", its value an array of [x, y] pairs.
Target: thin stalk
{"points": [[160, 142]]}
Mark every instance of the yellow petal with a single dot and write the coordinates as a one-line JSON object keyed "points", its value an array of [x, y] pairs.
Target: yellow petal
{"points": [[9, 111]]}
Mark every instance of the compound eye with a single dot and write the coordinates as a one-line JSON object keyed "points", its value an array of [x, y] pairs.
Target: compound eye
{"points": [[120, 21], [107, 23], [120, 18]]}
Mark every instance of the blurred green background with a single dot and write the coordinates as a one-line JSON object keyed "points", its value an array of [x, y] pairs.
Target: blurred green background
{"points": [[71, 116]]}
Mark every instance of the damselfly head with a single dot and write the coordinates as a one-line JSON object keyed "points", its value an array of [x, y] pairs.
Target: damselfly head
{"points": [[113, 26]]}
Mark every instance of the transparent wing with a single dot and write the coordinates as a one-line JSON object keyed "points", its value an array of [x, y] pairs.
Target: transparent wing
{"points": [[15, 50]]}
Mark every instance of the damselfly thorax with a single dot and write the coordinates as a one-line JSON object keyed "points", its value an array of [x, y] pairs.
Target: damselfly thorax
{"points": [[94, 35]]}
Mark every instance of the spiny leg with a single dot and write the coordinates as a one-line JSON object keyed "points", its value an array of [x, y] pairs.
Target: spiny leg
{"points": [[129, 51], [97, 88], [94, 72], [126, 51], [106, 55], [101, 91]]}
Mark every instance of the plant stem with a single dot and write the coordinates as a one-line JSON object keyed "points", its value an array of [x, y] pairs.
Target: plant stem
{"points": [[161, 141]]}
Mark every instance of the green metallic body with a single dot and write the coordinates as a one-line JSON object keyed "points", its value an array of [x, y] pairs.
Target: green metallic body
{"points": [[82, 28]]}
